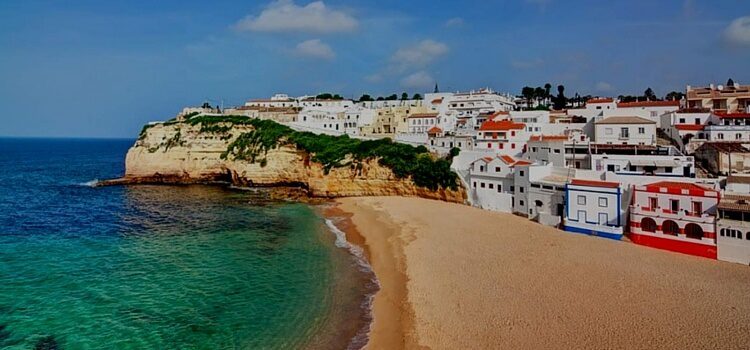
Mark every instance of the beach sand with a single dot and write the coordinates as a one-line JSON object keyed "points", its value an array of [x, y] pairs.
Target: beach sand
{"points": [[457, 277]]}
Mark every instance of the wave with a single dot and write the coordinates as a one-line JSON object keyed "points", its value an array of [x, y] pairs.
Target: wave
{"points": [[359, 341], [91, 183]]}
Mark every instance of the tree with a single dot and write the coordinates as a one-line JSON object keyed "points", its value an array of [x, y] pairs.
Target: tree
{"points": [[528, 93], [416, 97], [674, 96], [365, 97], [730, 82], [324, 96], [547, 88], [560, 101], [627, 98], [337, 97], [404, 96], [393, 97], [380, 98], [539, 94], [650, 95]]}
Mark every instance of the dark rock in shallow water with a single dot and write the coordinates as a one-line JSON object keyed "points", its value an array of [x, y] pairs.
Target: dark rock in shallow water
{"points": [[4, 334], [47, 343]]}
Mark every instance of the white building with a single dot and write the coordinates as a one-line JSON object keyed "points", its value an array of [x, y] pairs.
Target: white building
{"points": [[651, 110], [276, 101], [728, 127], [594, 208], [625, 131], [502, 137], [733, 226], [357, 117], [323, 118], [492, 183], [325, 103], [671, 164], [594, 108], [419, 123]]}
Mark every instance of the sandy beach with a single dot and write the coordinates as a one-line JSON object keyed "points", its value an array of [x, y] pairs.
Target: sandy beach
{"points": [[457, 277]]}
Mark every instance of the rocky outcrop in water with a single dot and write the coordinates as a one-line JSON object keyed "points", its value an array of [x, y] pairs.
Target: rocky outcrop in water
{"points": [[183, 153]]}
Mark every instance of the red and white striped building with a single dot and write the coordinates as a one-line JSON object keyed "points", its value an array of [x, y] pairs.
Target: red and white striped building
{"points": [[675, 216]]}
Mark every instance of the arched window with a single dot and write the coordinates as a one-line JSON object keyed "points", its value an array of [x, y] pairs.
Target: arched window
{"points": [[648, 225], [693, 231], [538, 203], [670, 227]]}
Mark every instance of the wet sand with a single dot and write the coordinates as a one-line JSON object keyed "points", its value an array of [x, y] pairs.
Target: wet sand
{"points": [[456, 277]]}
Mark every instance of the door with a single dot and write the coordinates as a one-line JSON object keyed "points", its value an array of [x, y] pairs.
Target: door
{"points": [[581, 216], [603, 218]]}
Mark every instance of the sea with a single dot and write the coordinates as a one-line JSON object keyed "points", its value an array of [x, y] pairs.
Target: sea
{"points": [[165, 267]]}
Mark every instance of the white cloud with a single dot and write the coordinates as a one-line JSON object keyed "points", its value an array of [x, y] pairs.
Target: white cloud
{"points": [[419, 55], [454, 22], [738, 32], [286, 16], [316, 49], [604, 87], [418, 80], [527, 64]]}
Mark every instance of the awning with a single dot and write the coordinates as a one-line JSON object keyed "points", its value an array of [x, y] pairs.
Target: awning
{"points": [[655, 162]]}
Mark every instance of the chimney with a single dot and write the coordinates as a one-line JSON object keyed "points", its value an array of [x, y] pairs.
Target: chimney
{"points": [[712, 86], [736, 85]]}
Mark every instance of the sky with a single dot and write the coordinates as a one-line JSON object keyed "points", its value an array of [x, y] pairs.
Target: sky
{"points": [[91, 68]]}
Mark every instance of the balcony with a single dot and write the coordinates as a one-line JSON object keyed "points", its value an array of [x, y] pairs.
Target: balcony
{"points": [[682, 215]]}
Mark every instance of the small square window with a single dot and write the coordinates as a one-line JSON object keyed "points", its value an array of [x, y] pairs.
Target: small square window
{"points": [[581, 200], [521, 172], [520, 189], [482, 185], [492, 186], [603, 202]]}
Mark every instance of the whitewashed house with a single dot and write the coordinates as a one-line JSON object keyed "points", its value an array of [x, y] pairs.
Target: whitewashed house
{"points": [[502, 137], [651, 110], [594, 208], [276, 101], [419, 123], [733, 226], [492, 182], [357, 117], [328, 119], [625, 131]]}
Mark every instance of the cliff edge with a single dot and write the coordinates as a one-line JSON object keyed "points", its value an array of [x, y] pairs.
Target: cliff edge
{"points": [[248, 152]]}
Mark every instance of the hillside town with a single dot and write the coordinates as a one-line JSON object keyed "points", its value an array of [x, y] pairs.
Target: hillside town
{"points": [[670, 173]]}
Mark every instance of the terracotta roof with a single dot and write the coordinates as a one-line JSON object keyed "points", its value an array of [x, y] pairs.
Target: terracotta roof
{"points": [[434, 130], [625, 120], [726, 147], [601, 100], [507, 159], [736, 202], [595, 183], [674, 185], [501, 125], [423, 115], [689, 127], [522, 162], [725, 115], [738, 179], [649, 104], [437, 101], [549, 138]]}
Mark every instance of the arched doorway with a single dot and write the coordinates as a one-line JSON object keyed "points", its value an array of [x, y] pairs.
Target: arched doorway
{"points": [[693, 231], [648, 225], [670, 227]]}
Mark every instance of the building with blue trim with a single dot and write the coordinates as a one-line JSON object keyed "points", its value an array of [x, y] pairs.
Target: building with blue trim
{"points": [[594, 208]]}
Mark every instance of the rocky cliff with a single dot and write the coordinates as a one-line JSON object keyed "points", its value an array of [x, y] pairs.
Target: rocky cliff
{"points": [[179, 152]]}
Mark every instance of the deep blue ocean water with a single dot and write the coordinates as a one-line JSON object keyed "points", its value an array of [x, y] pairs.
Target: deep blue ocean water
{"points": [[161, 267]]}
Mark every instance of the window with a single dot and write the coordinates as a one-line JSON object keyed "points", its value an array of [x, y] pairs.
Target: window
{"points": [[697, 121], [667, 169], [581, 200], [624, 133], [603, 202], [497, 169], [481, 168], [697, 208], [513, 145], [482, 184], [512, 188], [520, 189], [720, 136], [654, 114], [520, 203], [499, 188], [610, 167], [682, 120], [557, 151], [738, 136], [608, 131], [641, 130], [492, 186], [475, 184], [674, 205], [521, 172]]}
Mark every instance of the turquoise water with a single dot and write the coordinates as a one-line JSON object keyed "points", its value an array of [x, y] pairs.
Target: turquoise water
{"points": [[161, 267]]}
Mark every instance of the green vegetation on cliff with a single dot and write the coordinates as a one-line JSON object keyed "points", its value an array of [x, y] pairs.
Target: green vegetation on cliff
{"points": [[332, 151]]}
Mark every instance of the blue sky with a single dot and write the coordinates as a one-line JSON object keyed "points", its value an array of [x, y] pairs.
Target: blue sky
{"points": [[103, 68]]}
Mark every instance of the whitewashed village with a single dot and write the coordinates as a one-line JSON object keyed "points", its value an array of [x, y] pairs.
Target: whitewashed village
{"points": [[670, 173]]}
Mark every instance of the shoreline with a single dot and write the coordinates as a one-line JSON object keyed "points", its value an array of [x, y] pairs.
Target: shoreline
{"points": [[454, 276]]}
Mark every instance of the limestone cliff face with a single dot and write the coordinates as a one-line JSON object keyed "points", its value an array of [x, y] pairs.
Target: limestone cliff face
{"points": [[182, 153]]}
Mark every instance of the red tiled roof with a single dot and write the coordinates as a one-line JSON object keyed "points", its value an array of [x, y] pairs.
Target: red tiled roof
{"points": [[507, 159], [601, 100], [726, 115], [689, 127], [434, 130], [595, 183], [501, 125], [549, 138], [437, 101], [649, 104], [522, 162]]}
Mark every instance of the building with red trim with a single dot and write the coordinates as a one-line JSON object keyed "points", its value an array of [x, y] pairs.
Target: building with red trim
{"points": [[675, 216], [503, 137]]}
